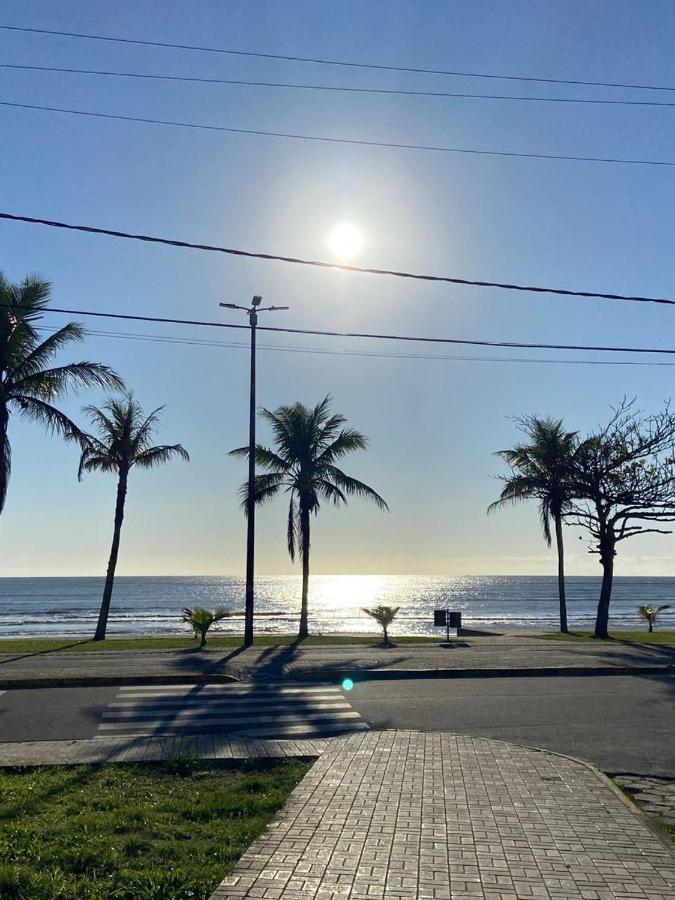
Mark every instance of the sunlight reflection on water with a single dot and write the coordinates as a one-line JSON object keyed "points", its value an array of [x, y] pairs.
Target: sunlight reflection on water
{"points": [[69, 606]]}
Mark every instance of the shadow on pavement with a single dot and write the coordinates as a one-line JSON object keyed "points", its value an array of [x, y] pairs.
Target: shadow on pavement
{"points": [[42, 652]]}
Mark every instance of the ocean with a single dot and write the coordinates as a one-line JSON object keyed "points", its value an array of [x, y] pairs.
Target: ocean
{"points": [[50, 607]]}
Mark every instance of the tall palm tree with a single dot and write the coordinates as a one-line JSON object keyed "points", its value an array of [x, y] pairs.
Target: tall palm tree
{"points": [[124, 441], [307, 445], [543, 470], [28, 385]]}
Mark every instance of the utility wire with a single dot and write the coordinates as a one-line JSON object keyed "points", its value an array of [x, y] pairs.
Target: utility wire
{"points": [[314, 351], [358, 334], [335, 62], [333, 88], [389, 145], [171, 242]]}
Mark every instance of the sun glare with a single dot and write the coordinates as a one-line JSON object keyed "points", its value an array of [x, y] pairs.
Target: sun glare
{"points": [[345, 241]]}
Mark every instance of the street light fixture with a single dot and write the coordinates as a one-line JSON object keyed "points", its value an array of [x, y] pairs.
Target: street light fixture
{"points": [[252, 313]]}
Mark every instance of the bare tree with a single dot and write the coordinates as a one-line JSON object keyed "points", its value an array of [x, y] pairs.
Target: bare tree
{"points": [[626, 484]]}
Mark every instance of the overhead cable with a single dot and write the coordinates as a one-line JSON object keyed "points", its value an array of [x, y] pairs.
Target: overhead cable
{"points": [[336, 62], [321, 139], [236, 82], [416, 276], [361, 334]]}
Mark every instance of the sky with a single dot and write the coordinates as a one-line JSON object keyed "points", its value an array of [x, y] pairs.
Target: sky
{"points": [[433, 424]]}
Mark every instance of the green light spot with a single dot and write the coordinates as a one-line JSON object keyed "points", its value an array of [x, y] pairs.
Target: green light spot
{"points": [[347, 684]]}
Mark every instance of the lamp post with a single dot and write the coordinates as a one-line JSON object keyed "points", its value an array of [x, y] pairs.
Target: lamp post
{"points": [[252, 313]]}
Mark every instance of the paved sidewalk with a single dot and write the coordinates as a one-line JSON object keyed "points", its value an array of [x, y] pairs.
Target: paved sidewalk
{"points": [[507, 654], [403, 815], [147, 749]]}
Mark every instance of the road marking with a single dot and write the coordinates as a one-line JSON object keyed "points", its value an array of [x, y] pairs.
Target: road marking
{"points": [[246, 709], [224, 704]]}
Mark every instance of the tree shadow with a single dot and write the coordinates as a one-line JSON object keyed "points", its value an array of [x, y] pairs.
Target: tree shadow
{"points": [[80, 779], [42, 652]]}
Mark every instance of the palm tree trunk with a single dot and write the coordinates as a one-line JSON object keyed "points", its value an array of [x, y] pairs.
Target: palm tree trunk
{"points": [[607, 554], [112, 562], [304, 536], [5, 457], [561, 574], [651, 626]]}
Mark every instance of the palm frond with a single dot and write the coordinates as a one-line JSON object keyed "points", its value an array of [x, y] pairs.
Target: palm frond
{"points": [[347, 441], [353, 487], [267, 486], [50, 383], [145, 430], [123, 438], [49, 417], [291, 528], [40, 355], [5, 464], [159, 456], [331, 492], [96, 458]]}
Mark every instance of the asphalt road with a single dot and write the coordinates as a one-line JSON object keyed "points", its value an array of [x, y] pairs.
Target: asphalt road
{"points": [[619, 723]]}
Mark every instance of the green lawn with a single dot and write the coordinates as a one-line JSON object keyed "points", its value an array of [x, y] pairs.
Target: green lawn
{"points": [[640, 637], [221, 642], [166, 831]]}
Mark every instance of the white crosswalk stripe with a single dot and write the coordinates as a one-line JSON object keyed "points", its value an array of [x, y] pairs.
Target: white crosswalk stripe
{"points": [[261, 711]]}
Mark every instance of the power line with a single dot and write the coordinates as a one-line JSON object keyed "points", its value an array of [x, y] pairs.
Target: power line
{"points": [[447, 279], [359, 334], [389, 145], [194, 79], [314, 351], [335, 62]]}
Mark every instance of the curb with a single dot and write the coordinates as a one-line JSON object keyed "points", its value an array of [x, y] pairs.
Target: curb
{"points": [[336, 674], [487, 672], [113, 681]]}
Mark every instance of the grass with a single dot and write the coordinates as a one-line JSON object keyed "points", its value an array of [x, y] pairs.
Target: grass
{"points": [[233, 641], [636, 637], [168, 831], [220, 642]]}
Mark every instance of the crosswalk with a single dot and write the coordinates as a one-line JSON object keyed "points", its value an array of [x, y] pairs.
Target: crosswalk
{"points": [[252, 710]]}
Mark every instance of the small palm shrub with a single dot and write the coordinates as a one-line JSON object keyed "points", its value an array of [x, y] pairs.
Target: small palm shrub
{"points": [[202, 619], [649, 614], [384, 616]]}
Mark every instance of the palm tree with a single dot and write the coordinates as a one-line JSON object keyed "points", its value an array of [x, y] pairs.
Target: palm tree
{"points": [[649, 614], [201, 620], [384, 616], [543, 470], [124, 441], [308, 443], [28, 384]]}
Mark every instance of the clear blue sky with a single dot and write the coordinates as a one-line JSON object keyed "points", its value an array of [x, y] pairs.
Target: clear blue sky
{"points": [[432, 424]]}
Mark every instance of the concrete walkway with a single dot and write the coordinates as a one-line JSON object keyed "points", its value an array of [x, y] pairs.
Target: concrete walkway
{"points": [[152, 749], [403, 815], [507, 654]]}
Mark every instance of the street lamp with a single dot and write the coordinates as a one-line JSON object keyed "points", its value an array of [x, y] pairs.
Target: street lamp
{"points": [[252, 313]]}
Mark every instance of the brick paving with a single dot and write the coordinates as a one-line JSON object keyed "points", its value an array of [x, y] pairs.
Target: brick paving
{"points": [[402, 815], [653, 794]]}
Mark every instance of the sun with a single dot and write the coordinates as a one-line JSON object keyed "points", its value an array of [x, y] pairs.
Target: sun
{"points": [[345, 241]]}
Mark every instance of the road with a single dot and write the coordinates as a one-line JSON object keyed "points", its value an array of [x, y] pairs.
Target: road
{"points": [[620, 723]]}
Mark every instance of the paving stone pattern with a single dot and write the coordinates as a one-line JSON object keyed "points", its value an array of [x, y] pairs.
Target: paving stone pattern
{"points": [[403, 815], [656, 796]]}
